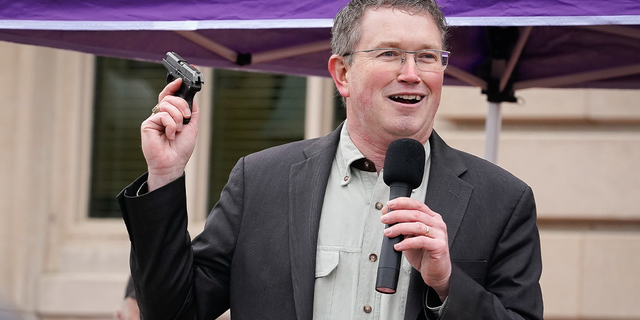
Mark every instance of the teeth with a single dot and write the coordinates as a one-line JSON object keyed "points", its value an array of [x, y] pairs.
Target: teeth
{"points": [[408, 97]]}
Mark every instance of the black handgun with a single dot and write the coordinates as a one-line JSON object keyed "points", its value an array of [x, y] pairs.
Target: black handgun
{"points": [[192, 78]]}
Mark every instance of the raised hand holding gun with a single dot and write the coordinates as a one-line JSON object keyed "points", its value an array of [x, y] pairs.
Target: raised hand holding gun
{"points": [[192, 78], [168, 136], [167, 143]]}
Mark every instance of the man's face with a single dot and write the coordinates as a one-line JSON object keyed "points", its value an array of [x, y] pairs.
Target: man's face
{"points": [[385, 104]]}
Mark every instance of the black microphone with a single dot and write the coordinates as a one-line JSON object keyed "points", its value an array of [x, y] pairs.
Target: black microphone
{"points": [[403, 171]]}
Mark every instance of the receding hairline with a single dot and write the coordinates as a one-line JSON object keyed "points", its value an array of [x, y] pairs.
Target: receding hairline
{"points": [[343, 41], [393, 43]]}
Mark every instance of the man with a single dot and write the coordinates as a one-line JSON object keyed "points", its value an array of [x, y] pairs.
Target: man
{"points": [[298, 228]]}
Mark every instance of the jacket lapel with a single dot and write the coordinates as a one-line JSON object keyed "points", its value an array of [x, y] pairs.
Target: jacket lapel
{"points": [[308, 183], [447, 195]]}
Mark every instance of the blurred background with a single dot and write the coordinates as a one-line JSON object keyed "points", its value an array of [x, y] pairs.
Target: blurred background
{"points": [[70, 143]]}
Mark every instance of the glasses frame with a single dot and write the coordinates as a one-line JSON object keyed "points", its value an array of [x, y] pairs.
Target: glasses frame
{"points": [[444, 55]]}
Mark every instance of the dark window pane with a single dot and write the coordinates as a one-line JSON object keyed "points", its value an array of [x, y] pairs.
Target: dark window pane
{"points": [[125, 92], [251, 112]]}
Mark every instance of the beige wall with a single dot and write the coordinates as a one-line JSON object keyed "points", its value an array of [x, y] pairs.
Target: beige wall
{"points": [[578, 149], [59, 262]]}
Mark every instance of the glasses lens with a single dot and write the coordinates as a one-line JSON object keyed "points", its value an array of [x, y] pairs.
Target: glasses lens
{"points": [[387, 57], [431, 60]]}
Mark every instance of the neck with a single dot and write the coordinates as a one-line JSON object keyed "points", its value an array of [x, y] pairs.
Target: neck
{"points": [[371, 150], [374, 147]]}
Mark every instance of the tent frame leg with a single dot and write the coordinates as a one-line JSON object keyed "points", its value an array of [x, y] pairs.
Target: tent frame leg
{"points": [[493, 126]]}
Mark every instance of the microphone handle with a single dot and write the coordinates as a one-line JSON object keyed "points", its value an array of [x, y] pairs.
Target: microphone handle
{"points": [[389, 262]]}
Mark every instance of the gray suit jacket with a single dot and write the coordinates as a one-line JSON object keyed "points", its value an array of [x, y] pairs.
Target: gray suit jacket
{"points": [[257, 252]]}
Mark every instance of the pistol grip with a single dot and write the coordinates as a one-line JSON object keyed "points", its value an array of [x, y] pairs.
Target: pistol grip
{"points": [[187, 94]]}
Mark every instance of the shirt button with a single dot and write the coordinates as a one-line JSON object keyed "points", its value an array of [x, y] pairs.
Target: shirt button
{"points": [[366, 165], [373, 257], [379, 205], [367, 309]]}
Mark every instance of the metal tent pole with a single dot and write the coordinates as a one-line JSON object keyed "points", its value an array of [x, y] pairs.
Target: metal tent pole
{"points": [[493, 125]]}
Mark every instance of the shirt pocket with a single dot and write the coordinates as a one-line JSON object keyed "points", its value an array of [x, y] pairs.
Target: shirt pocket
{"points": [[325, 284], [326, 262]]}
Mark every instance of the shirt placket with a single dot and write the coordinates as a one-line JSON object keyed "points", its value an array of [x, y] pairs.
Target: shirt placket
{"points": [[368, 299]]}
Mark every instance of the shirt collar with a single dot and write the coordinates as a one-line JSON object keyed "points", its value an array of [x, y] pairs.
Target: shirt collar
{"points": [[348, 153]]}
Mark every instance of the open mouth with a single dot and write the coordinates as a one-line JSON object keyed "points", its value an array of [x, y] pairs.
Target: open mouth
{"points": [[406, 99]]}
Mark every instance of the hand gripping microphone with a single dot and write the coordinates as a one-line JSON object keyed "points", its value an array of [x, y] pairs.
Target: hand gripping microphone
{"points": [[403, 171]]}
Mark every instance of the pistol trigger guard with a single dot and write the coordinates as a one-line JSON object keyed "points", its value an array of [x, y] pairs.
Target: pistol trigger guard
{"points": [[170, 78]]}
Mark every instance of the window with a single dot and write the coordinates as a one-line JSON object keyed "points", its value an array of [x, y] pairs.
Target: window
{"points": [[125, 92], [251, 112]]}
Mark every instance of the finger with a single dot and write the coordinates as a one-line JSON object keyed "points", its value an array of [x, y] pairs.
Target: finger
{"points": [[408, 210], [385, 210], [170, 126], [402, 203], [413, 229], [170, 89], [161, 123], [180, 104], [194, 114], [408, 215], [435, 246], [175, 106], [419, 243], [408, 204]]}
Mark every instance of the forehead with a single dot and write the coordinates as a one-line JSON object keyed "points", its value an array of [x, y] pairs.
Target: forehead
{"points": [[392, 27]]}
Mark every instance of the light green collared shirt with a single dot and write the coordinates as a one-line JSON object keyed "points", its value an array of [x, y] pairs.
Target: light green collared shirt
{"points": [[349, 241]]}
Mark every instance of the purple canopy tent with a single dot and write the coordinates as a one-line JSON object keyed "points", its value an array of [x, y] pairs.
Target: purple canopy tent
{"points": [[512, 45], [499, 46]]}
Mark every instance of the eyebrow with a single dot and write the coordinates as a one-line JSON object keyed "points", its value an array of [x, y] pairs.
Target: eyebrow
{"points": [[395, 44]]}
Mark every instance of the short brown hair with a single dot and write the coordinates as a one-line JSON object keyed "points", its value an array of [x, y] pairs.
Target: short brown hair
{"points": [[346, 32]]}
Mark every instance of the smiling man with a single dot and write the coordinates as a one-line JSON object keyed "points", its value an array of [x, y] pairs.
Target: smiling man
{"points": [[298, 228], [387, 96]]}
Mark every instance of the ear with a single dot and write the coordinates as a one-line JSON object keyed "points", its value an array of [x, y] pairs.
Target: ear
{"points": [[338, 70]]}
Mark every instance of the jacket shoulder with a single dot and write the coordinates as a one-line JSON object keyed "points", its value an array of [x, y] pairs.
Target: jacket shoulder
{"points": [[474, 170], [489, 173]]}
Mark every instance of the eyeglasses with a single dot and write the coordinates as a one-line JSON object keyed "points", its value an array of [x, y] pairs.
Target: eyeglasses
{"points": [[430, 60]]}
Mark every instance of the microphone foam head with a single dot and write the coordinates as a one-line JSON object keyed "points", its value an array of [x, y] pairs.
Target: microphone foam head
{"points": [[404, 162]]}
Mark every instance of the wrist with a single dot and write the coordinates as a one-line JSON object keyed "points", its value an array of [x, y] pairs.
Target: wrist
{"points": [[441, 287], [442, 293], [432, 299], [156, 179]]}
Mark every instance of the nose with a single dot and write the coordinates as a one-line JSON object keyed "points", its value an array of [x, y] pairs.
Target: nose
{"points": [[409, 70]]}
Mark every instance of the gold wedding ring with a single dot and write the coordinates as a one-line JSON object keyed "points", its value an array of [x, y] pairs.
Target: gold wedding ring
{"points": [[155, 109], [426, 234]]}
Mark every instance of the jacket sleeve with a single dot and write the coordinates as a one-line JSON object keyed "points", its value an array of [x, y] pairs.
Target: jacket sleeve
{"points": [[170, 283], [511, 289]]}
